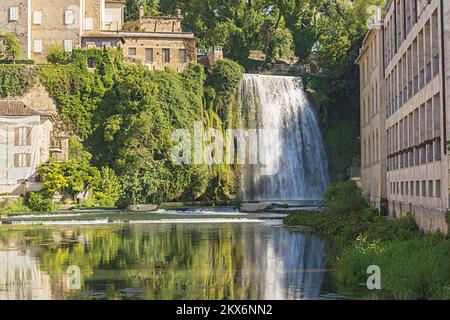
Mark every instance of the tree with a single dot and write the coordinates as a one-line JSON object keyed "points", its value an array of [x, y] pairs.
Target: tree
{"points": [[132, 7], [12, 49]]}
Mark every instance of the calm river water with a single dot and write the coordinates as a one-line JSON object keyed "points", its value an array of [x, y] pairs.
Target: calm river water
{"points": [[257, 260]]}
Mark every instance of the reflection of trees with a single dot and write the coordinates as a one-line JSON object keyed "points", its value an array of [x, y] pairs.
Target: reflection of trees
{"points": [[179, 261]]}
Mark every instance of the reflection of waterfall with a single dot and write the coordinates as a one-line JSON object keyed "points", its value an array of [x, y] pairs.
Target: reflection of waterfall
{"points": [[291, 146], [285, 265]]}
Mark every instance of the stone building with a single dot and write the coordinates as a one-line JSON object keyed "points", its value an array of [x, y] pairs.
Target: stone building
{"points": [[414, 102], [42, 24], [30, 134], [372, 116]]}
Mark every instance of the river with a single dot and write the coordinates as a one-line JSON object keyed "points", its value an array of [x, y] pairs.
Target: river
{"points": [[248, 260]]}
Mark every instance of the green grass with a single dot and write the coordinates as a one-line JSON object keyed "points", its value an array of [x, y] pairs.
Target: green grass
{"points": [[410, 269], [347, 226]]}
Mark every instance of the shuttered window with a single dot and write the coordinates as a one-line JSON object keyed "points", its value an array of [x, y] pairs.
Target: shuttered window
{"points": [[89, 24], [68, 45], [37, 46], [13, 13], [22, 136], [166, 55], [37, 17], [69, 17], [149, 55], [22, 160], [183, 56]]}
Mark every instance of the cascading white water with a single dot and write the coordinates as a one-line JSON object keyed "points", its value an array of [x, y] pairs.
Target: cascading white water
{"points": [[293, 153]]}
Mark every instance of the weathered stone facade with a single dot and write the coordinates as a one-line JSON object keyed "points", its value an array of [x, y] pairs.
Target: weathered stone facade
{"points": [[48, 136], [416, 111], [41, 25]]}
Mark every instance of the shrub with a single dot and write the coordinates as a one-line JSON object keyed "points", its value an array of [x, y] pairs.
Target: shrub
{"points": [[225, 77], [15, 80], [410, 269], [107, 188], [345, 197], [39, 202], [348, 226], [13, 206], [58, 55]]}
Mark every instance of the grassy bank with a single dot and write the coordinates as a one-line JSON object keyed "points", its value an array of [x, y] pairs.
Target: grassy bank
{"points": [[412, 265]]}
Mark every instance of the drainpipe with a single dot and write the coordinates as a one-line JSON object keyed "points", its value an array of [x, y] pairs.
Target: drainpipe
{"points": [[443, 77]]}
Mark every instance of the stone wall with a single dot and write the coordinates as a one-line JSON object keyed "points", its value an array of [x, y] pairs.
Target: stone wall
{"points": [[158, 44], [20, 27], [428, 219]]}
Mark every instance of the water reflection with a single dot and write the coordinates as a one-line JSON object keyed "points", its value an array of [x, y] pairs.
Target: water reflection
{"points": [[173, 261]]}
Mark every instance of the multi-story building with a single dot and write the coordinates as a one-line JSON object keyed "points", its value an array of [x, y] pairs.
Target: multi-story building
{"points": [[42, 24], [372, 116], [414, 103]]}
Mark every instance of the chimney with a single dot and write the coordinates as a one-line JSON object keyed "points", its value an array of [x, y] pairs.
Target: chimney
{"points": [[141, 12]]}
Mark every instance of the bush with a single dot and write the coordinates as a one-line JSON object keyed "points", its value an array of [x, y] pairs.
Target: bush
{"points": [[345, 197], [410, 269], [39, 202], [13, 206], [15, 80], [58, 55], [348, 226], [18, 61], [225, 77]]}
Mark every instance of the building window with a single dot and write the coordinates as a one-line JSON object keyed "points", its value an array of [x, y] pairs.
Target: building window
{"points": [[438, 188], [37, 17], [149, 55], [107, 44], [132, 51], [430, 188], [183, 57], [22, 136], [22, 160], [417, 188], [91, 63], [37, 46], [68, 45], [166, 55], [13, 13], [88, 24], [91, 44], [424, 188], [69, 17]]}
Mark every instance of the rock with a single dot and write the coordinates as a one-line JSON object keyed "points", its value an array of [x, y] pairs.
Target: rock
{"points": [[66, 207], [142, 207], [255, 207]]}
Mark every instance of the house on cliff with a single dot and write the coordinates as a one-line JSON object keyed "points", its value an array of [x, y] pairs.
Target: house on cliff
{"points": [[39, 25], [30, 134]]}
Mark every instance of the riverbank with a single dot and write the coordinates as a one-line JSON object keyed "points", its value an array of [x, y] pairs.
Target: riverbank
{"points": [[412, 265]]}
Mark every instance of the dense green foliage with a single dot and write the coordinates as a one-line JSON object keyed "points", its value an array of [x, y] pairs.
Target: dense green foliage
{"points": [[326, 33], [15, 80], [412, 266], [224, 77], [13, 206], [343, 197], [410, 269], [12, 48]]}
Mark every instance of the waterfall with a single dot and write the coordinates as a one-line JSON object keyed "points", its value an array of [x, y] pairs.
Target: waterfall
{"points": [[292, 161]]}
